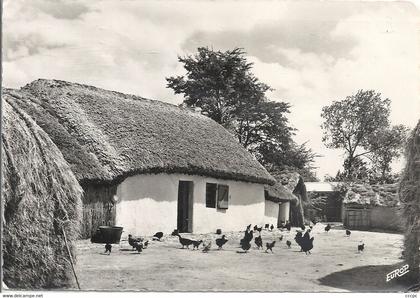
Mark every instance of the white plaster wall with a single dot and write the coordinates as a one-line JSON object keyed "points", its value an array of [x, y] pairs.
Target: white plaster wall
{"points": [[271, 213], [284, 214], [148, 203]]}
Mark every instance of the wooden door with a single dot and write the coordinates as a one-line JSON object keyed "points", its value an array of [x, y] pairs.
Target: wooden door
{"points": [[185, 203]]}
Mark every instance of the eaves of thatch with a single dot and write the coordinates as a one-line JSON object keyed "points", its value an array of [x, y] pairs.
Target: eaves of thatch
{"points": [[107, 136], [278, 193]]}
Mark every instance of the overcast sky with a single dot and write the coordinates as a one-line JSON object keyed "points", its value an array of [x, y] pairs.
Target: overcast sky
{"points": [[311, 53]]}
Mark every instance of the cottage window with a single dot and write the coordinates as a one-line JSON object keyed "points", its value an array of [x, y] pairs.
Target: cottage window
{"points": [[211, 193], [222, 196]]}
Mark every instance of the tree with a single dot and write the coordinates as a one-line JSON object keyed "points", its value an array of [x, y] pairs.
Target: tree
{"points": [[360, 125], [223, 87]]}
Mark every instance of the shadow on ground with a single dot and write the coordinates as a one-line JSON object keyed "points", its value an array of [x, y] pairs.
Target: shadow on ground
{"points": [[366, 279]]}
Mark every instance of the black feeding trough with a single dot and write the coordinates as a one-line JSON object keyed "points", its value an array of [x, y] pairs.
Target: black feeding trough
{"points": [[107, 235]]}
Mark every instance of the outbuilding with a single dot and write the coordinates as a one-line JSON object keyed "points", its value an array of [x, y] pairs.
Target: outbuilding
{"points": [[146, 165]]}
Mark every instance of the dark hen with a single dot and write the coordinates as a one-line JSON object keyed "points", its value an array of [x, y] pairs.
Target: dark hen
{"points": [[327, 228], [307, 245], [108, 248], [196, 243], [271, 227], [221, 241], [258, 242], [270, 246], [348, 233], [360, 247]]}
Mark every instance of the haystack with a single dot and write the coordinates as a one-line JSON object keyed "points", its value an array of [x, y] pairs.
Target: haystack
{"points": [[41, 198], [410, 199]]}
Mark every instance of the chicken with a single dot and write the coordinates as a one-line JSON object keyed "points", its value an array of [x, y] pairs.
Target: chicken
{"points": [[306, 235], [207, 247], [108, 248], [221, 241], [307, 245], [327, 228], [271, 227], [196, 243], [298, 238], [281, 238], [132, 241], [348, 233], [185, 241], [258, 242], [259, 229], [246, 245], [138, 246], [174, 233], [270, 246], [288, 243], [266, 226], [360, 247], [248, 237], [157, 236]]}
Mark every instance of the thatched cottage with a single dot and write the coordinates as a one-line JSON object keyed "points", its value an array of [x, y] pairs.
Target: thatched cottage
{"points": [[42, 203], [146, 165]]}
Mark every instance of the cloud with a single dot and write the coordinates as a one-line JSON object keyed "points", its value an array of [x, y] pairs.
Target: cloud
{"points": [[310, 52]]}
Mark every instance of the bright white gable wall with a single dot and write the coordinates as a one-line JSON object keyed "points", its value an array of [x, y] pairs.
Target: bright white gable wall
{"points": [[271, 213], [148, 203]]}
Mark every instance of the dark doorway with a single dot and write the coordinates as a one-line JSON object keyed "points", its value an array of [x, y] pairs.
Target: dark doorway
{"points": [[185, 202]]}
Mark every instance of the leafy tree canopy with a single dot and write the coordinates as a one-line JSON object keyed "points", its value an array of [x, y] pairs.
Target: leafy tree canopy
{"points": [[360, 125], [223, 87]]}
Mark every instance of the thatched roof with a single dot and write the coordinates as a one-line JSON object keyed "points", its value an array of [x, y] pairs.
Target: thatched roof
{"points": [[278, 193], [41, 196], [106, 136], [385, 195]]}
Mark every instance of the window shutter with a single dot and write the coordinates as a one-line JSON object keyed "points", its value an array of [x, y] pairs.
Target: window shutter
{"points": [[222, 196]]}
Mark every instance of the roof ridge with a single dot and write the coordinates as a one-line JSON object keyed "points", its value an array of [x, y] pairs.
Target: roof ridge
{"points": [[125, 95]]}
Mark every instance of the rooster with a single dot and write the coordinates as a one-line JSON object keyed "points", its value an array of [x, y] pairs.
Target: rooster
{"points": [[258, 242], [221, 241], [270, 246]]}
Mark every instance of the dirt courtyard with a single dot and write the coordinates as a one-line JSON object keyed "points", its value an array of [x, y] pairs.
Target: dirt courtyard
{"points": [[334, 265]]}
